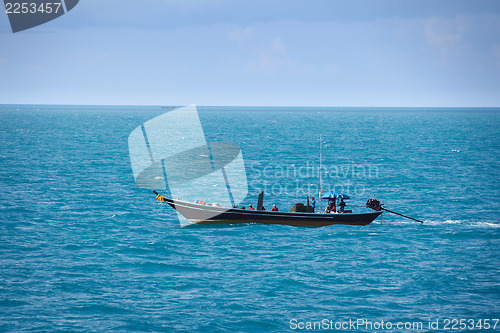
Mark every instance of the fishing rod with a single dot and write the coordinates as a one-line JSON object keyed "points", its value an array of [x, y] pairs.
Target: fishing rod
{"points": [[376, 205]]}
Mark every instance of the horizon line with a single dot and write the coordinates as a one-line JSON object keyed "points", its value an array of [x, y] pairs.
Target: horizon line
{"points": [[246, 106]]}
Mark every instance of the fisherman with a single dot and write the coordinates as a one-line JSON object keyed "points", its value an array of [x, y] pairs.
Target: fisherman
{"points": [[334, 205], [330, 208], [274, 209], [251, 207], [341, 205], [313, 204]]}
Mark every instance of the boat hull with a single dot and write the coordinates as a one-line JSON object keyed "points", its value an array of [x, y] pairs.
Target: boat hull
{"points": [[201, 214]]}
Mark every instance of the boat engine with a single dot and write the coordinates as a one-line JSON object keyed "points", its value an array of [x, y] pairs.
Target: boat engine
{"points": [[374, 204], [300, 208]]}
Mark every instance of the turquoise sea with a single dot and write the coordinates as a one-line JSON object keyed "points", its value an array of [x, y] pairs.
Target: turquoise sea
{"points": [[83, 249]]}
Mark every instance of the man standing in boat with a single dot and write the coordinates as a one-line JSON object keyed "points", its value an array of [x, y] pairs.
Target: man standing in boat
{"points": [[274, 209], [341, 205], [313, 204]]}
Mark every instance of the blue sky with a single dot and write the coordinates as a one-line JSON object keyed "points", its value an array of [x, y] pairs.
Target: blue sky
{"points": [[277, 53]]}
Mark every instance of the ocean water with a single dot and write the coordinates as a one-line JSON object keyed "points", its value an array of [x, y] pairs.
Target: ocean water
{"points": [[83, 249]]}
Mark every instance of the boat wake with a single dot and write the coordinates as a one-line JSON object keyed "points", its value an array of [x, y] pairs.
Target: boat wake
{"points": [[484, 224]]}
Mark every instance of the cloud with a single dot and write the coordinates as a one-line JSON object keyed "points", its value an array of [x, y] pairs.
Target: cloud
{"points": [[331, 69], [271, 58], [444, 32], [241, 35], [496, 54]]}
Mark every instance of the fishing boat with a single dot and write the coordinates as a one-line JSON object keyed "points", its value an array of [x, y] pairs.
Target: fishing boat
{"points": [[208, 214]]}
